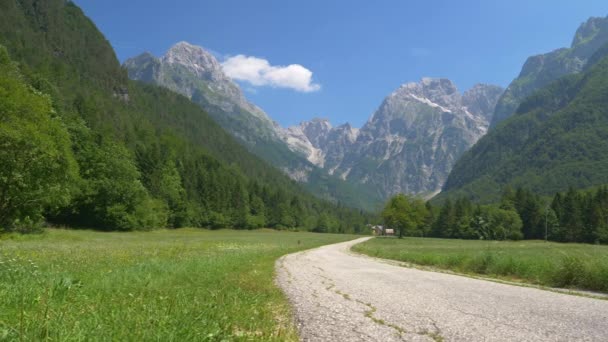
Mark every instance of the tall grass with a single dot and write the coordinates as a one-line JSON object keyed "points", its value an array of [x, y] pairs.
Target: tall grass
{"points": [[164, 285], [578, 266]]}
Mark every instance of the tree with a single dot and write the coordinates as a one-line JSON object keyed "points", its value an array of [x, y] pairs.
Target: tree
{"points": [[112, 196], [445, 221], [322, 225], [37, 168], [405, 214], [503, 224], [571, 219]]}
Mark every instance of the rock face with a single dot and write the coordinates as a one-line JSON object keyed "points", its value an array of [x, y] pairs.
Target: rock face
{"points": [[540, 70], [321, 143], [410, 143]]}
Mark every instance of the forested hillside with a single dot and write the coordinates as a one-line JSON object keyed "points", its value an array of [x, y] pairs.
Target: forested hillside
{"points": [[557, 139], [86, 147]]}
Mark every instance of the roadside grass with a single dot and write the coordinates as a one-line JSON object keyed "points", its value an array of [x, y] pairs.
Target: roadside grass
{"points": [[564, 265], [168, 285]]}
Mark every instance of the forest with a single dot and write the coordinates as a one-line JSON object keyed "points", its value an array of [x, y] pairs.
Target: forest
{"points": [[572, 216]]}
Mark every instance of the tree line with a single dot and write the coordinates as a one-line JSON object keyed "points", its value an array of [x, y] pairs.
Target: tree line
{"points": [[571, 216]]}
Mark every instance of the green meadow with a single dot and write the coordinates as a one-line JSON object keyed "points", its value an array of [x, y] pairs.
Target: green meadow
{"points": [[566, 265], [167, 285]]}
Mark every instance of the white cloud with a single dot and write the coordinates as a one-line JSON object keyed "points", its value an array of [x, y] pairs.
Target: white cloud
{"points": [[259, 72]]}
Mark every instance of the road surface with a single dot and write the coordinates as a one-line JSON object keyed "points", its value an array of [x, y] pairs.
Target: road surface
{"points": [[341, 296]]}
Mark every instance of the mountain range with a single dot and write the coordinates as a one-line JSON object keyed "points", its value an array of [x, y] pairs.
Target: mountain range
{"points": [[409, 144]]}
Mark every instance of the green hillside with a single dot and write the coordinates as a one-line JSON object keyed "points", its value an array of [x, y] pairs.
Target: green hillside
{"points": [[134, 156], [541, 70], [557, 139]]}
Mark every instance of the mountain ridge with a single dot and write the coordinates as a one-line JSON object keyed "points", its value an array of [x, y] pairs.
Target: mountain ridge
{"points": [[555, 140], [345, 151], [540, 70]]}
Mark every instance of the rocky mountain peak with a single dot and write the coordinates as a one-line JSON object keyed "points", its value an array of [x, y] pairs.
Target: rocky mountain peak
{"points": [[442, 85], [439, 91], [589, 30], [346, 132], [143, 67], [481, 99], [195, 73], [144, 57], [316, 130], [196, 59]]}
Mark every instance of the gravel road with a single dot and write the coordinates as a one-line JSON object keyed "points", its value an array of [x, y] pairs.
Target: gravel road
{"points": [[341, 296]]}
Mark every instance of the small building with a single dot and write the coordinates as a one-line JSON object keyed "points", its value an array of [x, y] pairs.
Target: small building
{"points": [[379, 230]]}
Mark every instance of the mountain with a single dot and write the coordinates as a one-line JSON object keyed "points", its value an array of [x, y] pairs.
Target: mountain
{"points": [[195, 73], [557, 139], [137, 156], [539, 71], [409, 144], [321, 143]]}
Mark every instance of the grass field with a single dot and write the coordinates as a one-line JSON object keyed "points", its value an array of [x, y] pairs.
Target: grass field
{"points": [[550, 264], [170, 285]]}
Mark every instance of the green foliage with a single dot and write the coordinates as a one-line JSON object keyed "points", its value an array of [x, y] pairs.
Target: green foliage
{"points": [[37, 168], [461, 220], [537, 262], [165, 285], [503, 224], [405, 214], [573, 216], [112, 195], [145, 157], [580, 216]]}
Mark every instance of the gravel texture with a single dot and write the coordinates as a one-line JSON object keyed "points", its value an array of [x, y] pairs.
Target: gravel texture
{"points": [[341, 296]]}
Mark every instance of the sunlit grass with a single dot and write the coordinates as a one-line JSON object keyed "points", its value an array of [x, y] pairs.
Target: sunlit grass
{"points": [[579, 266], [169, 285]]}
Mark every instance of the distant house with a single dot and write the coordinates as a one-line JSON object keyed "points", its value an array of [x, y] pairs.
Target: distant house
{"points": [[379, 230]]}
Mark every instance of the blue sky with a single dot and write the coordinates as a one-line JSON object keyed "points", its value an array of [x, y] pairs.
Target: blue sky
{"points": [[358, 51]]}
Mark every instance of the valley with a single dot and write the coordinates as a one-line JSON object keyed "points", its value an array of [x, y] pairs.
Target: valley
{"points": [[317, 172]]}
